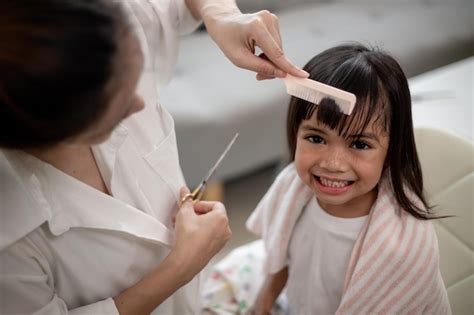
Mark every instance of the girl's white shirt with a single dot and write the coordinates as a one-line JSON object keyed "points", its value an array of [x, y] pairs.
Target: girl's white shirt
{"points": [[68, 248], [319, 253]]}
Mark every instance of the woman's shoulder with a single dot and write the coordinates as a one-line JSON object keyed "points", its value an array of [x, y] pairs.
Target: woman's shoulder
{"points": [[21, 212]]}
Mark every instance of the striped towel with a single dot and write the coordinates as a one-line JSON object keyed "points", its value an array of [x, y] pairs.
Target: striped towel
{"points": [[394, 266]]}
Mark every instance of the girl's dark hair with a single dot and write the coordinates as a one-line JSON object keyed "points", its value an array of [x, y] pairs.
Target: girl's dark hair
{"points": [[56, 58], [382, 94]]}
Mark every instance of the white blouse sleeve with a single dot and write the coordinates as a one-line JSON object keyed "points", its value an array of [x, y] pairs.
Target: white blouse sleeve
{"points": [[27, 285], [158, 24]]}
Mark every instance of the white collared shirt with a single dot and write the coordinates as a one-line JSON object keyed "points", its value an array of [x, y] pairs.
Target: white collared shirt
{"points": [[68, 248]]}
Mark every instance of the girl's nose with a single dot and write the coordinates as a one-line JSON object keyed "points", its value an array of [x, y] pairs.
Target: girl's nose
{"points": [[335, 160]]}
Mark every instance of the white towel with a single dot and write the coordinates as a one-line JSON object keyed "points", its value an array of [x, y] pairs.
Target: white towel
{"points": [[394, 266]]}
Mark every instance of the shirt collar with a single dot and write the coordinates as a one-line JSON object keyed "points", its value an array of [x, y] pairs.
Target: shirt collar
{"points": [[30, 201]]}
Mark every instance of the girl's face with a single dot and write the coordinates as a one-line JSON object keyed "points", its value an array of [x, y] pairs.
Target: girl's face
{"points": [[342, 172]]}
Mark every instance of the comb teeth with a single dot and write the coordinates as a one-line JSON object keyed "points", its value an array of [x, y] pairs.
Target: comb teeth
{"points": [[313, 92]]}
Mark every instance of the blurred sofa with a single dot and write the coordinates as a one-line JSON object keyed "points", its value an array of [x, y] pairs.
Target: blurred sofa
{"points": [[450, 190], [211, 100]]}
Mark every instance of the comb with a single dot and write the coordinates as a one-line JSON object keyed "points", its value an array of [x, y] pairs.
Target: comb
{"points": [[314, 91]]}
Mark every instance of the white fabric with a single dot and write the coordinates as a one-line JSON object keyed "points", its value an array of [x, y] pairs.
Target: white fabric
{"points": [[319, 253], [276, 214], [394, 265], [66, 247], [158, 24]]}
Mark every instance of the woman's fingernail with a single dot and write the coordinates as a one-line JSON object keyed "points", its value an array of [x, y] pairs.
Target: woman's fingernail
{"points": [[305, 73]]}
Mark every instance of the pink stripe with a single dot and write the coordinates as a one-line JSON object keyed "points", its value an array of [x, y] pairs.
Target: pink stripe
{"points": [[377, 213], [403, 259], [445, 309], [376, 276], [418, 309], [389, 224], [442, 301], [404, 273], [426, 308], [374, 215], [354, 258], [423, 288], [374, 235], [381, 204], [411, 283], [356, 252], [362, 270]]}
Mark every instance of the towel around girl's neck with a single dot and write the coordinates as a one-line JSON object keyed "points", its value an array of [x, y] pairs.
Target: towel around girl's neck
{"points": [[394, 265]]}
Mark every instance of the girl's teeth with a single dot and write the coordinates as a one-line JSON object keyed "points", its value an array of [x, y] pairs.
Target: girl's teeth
{"points": [[333, 183]]}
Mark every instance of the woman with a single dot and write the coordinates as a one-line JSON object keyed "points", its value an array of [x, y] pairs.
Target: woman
{"points": [[89, 197]]}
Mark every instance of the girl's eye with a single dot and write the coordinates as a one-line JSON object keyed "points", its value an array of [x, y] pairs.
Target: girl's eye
{"points": [[360, 145], [315, 139]]}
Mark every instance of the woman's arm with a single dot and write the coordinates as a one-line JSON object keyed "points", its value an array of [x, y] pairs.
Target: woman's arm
{"points": [[238, 34], [201, 232], [269, 292], [154, 288]]}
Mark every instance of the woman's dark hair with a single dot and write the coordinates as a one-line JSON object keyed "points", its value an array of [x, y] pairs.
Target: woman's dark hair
{"points": [[382, 94], [56, 58]]}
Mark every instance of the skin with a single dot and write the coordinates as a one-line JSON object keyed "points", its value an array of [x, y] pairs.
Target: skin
{"points": [[269, 292], [355, 163]]}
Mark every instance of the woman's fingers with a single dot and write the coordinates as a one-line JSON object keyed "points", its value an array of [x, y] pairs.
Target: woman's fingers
{"points": [[199, 237], [184, 202], [185, 196], [202, 207], [267, 36], [239, 34]]}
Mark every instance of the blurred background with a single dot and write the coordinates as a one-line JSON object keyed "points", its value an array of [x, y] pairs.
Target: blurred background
{"points": [[433, 40]]}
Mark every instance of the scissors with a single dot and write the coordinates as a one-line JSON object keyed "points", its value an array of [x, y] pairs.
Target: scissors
{"points": [[199, 190]]}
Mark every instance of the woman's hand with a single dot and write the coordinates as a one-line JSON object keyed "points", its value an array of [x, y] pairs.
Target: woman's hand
{"points": [[238, 34], [202, 229]]}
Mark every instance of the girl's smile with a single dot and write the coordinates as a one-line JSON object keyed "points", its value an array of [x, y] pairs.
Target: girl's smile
{"points": [[332, 186]]}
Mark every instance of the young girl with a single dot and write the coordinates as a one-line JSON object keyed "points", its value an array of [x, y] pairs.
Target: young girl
{"points": [[346, 226]]}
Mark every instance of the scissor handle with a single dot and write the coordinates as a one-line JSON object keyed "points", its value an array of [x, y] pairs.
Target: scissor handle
{"points": [[195, 196]]}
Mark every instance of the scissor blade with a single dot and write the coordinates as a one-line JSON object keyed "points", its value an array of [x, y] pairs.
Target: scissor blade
{"points": [[213, 169]]}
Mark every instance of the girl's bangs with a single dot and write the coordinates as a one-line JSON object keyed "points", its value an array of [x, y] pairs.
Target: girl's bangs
{"points": [[357, 77]]}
